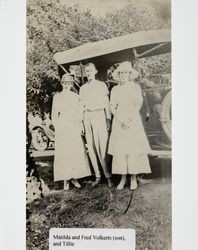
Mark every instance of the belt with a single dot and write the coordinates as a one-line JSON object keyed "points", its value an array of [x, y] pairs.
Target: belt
{"points": [[93, 110]]}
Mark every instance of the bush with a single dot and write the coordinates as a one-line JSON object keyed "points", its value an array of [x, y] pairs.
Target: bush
{"points": [[53, 27]]}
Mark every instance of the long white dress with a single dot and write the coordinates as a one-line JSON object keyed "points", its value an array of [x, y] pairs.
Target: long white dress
{"points": [[70, 159], [129, 146]]}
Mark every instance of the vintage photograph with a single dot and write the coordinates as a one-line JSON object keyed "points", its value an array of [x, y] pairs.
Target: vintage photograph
{"points": [[98, 118]]}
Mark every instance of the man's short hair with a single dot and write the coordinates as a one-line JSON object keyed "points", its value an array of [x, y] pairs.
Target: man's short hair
{"points": [[90, 64]]}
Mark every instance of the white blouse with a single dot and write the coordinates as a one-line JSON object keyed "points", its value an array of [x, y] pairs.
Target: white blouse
{"points": [[95, 96]]}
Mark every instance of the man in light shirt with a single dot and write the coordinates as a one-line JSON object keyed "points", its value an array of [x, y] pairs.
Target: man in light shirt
{"points": [[94, 97]]}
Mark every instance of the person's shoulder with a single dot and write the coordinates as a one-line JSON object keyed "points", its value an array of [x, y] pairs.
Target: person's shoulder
{"points": [[56, 95], [83, 89], [99, 82], [137, 87], [74, 94], [115, 89], [84, 86], [102, 85]]}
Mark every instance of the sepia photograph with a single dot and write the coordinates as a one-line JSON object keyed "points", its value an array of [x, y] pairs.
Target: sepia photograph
{"points": [[99, 119]]}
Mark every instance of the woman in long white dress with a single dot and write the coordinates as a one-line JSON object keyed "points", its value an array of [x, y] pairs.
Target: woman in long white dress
{"points": [[70, 160], [128, 141]]}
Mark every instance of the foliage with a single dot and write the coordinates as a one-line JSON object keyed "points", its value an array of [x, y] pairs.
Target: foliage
{"points": [[53, 27]]}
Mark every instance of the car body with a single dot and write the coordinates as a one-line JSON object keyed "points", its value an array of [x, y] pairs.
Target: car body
{"points": [[156, 88]]}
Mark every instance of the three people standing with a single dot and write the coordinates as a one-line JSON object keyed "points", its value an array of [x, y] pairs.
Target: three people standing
{"points": [[128, 142]]}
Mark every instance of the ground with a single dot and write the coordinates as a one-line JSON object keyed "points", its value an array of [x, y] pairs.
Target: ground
{"points": [[149, 212]]}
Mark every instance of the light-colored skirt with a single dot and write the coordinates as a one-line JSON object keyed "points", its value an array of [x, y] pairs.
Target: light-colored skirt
{"points": [[130, 164], [130, 141], [129, 147], [70, 159]]}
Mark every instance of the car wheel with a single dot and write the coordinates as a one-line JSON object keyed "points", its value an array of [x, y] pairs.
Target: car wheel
{"points": [[39, 139]]}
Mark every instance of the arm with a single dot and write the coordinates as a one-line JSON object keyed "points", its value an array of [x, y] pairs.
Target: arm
{"points": [[79, 114], [114, 109], [81, 104], [113, 102], [138, 100], [54, 112], [107, 104]]}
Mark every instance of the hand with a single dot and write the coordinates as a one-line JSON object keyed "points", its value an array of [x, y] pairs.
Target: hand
{"points": [[108, 121], [124, 126]]}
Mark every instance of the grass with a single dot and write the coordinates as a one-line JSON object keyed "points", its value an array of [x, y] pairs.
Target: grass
{"points": [[149, 213]]}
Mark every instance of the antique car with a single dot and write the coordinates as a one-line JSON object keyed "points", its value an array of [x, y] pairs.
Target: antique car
{"points": [[42, 131], [156, 86]]}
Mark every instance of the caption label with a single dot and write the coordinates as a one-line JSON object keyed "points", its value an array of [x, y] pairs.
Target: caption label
{"points": [[89, 239]]}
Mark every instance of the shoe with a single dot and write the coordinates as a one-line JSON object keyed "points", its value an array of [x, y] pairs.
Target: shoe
{"points": [[66, 185], [110, 183], [96, 182], [75, 183], [122, 182], [133, 185]]}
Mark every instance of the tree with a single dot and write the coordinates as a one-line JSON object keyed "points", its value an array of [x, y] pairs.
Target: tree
{"points": [[53, 27]]}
